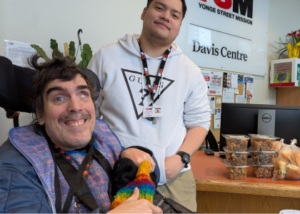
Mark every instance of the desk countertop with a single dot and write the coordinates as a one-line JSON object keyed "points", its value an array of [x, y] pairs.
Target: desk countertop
{"points": [[211, 175]]}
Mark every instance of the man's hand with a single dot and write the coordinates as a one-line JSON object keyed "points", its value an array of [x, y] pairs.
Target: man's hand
{"points": [[173, 166], [138, 156], [134, 205]]}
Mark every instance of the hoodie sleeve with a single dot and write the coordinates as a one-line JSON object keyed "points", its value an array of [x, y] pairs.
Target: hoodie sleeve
{"points": [[196, 108], [95, 65]]}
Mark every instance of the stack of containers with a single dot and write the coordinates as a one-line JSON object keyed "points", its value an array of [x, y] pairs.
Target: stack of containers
{"points": [[262, 153], [236, 156]]}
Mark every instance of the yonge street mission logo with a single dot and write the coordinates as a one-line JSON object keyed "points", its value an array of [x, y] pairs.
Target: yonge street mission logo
{"points": [[140, 97], [240, 10]]}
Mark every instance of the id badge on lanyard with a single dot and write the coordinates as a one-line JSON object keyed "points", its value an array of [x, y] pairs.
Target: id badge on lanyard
{"points": [[151, 111]]}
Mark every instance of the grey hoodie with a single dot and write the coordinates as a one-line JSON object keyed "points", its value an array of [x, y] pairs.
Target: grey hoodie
{"points": [[183, 98]]}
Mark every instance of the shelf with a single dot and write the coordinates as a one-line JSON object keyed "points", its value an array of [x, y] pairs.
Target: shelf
{"points": [[282, 85]]}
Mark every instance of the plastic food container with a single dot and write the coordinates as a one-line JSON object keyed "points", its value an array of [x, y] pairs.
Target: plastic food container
{"points": [[262, 157], [236, 158], [262, 142], [236, 142], [236, 172], [263, 171]]}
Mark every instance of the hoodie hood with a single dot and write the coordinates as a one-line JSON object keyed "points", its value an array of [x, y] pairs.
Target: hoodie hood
{"points": [[130, 43]]}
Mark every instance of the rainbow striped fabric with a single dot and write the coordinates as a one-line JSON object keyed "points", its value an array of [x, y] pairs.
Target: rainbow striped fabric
{"points": [[142, 181]]}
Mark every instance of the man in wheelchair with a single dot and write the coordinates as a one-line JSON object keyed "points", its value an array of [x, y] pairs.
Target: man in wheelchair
{"points": [[63, 161]]}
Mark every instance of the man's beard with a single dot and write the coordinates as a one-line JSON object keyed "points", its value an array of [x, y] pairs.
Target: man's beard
{"points": [[75, 144], [158, 39], [64, 139]]}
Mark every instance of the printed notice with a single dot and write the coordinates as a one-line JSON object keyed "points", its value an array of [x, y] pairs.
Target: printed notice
{"points": [[234, 81], [228, 95], [18, 52], [216, 80], [217, 118], [247, 79], [212, 104], [240, 78], [240, 99], [249, 90], [229, 80], [206, 75], [283, 72]]}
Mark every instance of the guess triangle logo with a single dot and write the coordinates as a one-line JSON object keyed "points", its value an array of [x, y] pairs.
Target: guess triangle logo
{"points": [[134, 83]]}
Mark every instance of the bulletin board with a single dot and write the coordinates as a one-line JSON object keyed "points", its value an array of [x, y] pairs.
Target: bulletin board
{"points": [[216, 132]]}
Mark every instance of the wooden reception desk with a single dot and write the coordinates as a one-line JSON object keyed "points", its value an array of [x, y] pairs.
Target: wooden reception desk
{"points": [[217, 194]]}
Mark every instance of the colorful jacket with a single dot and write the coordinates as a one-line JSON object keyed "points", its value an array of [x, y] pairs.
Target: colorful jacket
{"points": [[27, 171]]}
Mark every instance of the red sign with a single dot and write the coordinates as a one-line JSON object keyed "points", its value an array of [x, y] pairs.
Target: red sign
{"points": [[207, 78]]}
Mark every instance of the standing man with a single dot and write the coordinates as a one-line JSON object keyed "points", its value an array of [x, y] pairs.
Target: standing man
{"points": [[143, 72]]}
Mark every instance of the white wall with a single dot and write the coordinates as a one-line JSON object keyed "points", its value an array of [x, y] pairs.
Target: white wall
{"points": [[35, 21], [284, 17], [104, 21]]}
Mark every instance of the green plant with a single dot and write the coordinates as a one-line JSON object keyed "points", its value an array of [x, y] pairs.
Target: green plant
{"points": [[291, 38], [86, 51]]}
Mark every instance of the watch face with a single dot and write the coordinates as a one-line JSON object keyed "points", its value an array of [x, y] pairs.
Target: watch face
{"points": [[186, 158]]}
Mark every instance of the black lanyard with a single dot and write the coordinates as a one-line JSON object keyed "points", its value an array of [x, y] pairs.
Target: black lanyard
{"points": [[153, 90], [74, 177]]}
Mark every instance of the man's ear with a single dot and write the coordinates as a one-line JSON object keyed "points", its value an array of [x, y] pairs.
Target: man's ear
{"points": [[143, 14], [40, 119]]}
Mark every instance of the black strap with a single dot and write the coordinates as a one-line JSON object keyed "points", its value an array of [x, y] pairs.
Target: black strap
{"points": [[153, 90]]}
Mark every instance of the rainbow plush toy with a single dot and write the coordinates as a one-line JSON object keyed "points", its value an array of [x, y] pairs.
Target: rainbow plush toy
{"points": [[142, 181]]}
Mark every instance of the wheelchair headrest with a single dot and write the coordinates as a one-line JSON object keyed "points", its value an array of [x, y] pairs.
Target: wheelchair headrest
{"points": [[16, 85]]}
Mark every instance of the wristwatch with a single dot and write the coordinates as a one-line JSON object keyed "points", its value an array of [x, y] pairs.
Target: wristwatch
{"points": [[185, 158]]}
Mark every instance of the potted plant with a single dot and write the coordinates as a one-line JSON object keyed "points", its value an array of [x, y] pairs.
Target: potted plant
{"points": [[292, 45], [70, 50]]}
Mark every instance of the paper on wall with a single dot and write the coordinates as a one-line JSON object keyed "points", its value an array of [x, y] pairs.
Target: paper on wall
{"points": [[240, 78], [228, 95], [225, 80], [217, 118], [234, 81], [228, 80], [18, 52], [240, 99], [216, 79], [206, 75], [249, 90], [248, 79], [211, 101]]}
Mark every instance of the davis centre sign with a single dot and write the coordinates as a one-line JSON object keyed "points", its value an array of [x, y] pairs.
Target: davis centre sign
{"points": [[228, 35]]}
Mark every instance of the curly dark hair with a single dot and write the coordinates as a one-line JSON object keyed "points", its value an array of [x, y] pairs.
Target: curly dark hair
{"points": [[61, 68], [184, 7]]}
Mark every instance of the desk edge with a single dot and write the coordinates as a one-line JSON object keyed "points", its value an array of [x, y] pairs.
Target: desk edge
{"points": [[229, 186]]}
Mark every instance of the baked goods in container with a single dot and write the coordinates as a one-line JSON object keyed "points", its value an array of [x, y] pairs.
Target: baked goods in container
{"points": [[286, 153], [236, 172], [296, 158], [277, 145], [292, 172], [288, 162], [262, 157], [236, 158], [262, 142], [236, 142], [263, 171], [280, 170]]}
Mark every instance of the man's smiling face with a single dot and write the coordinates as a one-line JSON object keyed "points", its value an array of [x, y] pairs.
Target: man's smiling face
{"points": [[162, 20], [69, 113]]}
